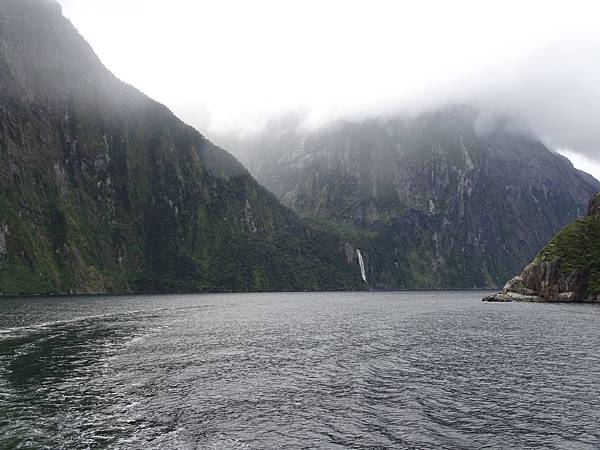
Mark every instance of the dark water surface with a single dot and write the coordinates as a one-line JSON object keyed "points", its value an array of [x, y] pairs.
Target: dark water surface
{"points": [[260, 371]]}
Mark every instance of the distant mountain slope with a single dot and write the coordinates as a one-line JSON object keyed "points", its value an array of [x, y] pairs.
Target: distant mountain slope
{"points": [[102, 189], [443, 200]]}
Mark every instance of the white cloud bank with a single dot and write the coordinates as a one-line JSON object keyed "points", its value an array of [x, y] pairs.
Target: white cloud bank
{"points": [[234, 63]]}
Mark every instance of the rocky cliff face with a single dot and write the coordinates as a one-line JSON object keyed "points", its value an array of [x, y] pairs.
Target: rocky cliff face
{"points": [[102, 189], [442, 200], [566, 270]]}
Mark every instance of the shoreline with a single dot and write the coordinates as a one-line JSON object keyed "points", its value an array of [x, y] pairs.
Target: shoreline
{"points": [[137, 294]]}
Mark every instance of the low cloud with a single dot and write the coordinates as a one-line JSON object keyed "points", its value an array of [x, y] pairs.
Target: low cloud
{"points": [[232, 65], [556, 93]]}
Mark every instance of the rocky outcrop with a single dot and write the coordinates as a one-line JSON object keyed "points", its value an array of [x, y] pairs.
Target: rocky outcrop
{"points": [[566, 270], [514, 290]]}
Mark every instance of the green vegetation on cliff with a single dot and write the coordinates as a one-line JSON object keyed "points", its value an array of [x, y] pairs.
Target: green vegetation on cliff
{"points": [[104, 190], [566, 270], [577, 247]]}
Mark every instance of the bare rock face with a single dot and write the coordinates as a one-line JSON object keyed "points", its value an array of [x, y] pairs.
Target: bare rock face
{"points": [[3, 233], [548, 281], [594, 208]]}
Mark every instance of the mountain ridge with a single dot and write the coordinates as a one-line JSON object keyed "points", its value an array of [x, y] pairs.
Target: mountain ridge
{"points": [[431, 193], [103, 189]]}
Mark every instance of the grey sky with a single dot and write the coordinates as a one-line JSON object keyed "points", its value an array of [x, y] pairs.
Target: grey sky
{"points": [[231, 64]]}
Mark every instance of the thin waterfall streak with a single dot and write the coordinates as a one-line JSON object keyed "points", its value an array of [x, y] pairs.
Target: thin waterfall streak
{"points": [[361, 263]]}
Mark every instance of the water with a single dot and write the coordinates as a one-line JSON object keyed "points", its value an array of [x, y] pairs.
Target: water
{"points": [[339, 370], [361, 264]]}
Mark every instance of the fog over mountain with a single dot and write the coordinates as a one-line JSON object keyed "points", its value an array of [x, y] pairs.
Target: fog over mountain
{"points": [[339, 59]]}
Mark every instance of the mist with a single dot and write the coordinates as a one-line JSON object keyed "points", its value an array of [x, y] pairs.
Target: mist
{"points": [[232, 66]]}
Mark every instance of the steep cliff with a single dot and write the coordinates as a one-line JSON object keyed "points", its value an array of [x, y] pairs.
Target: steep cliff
{"points": [[566, 270], [448, 199], [104, 190]]}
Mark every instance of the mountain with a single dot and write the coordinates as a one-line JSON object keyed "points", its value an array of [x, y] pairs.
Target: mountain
{"points": [[104, 190], [566, 270], [451, 198]]}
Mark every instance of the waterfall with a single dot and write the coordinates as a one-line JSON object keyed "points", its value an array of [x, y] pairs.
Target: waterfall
{"points": [[361, 263]]}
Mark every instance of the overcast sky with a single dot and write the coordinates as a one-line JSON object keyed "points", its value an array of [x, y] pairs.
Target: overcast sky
{"points": [[230, 64]]}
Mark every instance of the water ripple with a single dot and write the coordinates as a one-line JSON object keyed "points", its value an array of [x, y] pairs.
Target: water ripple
{"points": [[396, 370]]}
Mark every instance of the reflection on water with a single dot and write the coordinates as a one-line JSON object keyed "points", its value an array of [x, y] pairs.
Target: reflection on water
{"points": [[362, 370]]}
